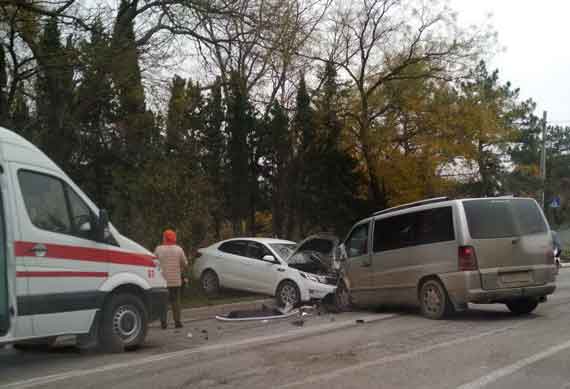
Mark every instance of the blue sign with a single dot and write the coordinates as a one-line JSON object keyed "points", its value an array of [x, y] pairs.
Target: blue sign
{"points": [[555, 202]]}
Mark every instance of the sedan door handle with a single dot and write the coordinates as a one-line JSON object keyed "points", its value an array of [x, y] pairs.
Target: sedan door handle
{"points": [[40, 250]]}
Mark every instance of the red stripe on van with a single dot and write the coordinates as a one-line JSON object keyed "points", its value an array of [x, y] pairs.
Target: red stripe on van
{"points": [[78, 253], [82, 274]]}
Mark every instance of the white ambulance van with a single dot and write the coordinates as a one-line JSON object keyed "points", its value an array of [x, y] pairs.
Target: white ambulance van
{"points": [[64, 269]]}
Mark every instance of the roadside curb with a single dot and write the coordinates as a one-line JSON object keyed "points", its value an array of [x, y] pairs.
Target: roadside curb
{"points": [[210, 311]]}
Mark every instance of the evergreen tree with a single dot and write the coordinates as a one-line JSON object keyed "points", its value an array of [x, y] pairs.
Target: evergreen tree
{"points": [[95, 111], [54, 89], [176, 121], [135, 122], [240, 119], [277, 150], [4, 109], [213, 149]]}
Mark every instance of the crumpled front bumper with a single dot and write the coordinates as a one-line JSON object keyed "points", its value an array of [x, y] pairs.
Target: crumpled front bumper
{"points": [[312, 290]]}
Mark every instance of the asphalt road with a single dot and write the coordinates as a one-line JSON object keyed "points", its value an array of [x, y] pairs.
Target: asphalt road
{"points": [[484, 347]]}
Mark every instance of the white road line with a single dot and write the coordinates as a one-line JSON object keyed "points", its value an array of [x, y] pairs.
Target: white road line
{"points": [[301, 332], [510, 369], [339, 373]]}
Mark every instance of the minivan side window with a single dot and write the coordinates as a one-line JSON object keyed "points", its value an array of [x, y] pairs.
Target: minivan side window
{"points": [[393, 233], [434, 225], [44, 197], [357, 242], [529, 217]]}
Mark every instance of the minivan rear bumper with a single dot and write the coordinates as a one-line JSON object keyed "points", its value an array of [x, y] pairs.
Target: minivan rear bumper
{"points": [[465, 287], [501, 295]]}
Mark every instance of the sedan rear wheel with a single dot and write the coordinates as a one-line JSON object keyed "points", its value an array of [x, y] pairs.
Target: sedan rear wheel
{"points": [[210, 283]]}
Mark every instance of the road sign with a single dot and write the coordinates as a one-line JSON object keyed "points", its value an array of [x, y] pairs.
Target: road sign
{"points": [[555, 202]]}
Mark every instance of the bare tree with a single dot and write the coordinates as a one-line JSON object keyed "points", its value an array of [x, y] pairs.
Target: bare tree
{"points": [[375, 42]]}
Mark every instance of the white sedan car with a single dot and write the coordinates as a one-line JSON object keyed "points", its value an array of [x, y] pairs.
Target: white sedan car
{"points": [[259, 265]]}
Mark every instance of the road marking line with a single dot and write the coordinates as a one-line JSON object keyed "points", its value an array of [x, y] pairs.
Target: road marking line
{"points": [[267, 339], [510, 369], [339, 373]]}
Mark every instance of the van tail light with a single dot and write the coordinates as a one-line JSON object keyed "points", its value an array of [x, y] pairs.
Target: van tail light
{"points": [[467, 260]]}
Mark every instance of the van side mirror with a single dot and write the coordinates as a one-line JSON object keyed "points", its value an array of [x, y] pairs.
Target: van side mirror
{"points": [[102, 225], [341, 253]]}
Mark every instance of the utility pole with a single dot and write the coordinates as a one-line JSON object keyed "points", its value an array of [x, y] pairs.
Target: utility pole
{"points": [[543, 159]]}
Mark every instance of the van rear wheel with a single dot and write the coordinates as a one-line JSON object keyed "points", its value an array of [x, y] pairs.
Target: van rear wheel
{"points": [[124, 323], [522, 306], [434, 302]]}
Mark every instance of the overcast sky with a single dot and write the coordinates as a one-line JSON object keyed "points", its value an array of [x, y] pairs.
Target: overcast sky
{"points": [[536, 40]]}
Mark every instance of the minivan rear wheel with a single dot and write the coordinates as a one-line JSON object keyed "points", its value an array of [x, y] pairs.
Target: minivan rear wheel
{"points": [[522, 306], [434, 302]]}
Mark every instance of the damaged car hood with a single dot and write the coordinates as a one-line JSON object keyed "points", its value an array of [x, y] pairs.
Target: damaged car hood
{"points": [[316, 255]]}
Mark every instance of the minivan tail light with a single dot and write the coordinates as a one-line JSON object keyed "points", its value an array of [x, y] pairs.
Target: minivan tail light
{"points": [[467, 260]]}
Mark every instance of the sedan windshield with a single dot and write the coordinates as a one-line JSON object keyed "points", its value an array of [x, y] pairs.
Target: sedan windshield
{"points": [[284, 250]]}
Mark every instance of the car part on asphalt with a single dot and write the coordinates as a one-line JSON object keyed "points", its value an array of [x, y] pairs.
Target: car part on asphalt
{"points": [[266, 314], [239, 316]]}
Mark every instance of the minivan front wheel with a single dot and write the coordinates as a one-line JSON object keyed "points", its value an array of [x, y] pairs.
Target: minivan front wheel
{"points": [[434, 302], [522, 306], [342, 299]]}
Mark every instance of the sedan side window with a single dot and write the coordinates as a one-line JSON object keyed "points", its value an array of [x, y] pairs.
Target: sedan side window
{"points": [[255, 250], [357, 243], [235, 247]]}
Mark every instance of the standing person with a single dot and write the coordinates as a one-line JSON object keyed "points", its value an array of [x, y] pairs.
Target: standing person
{"points": [[172, 262]]}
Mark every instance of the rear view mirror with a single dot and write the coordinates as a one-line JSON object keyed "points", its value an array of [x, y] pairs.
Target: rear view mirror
{"points": [[85, 227], [102, 225], [269, 258], [341, 255]]}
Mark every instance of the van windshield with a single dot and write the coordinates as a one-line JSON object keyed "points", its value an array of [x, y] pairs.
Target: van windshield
{"points": [[502, 218]]}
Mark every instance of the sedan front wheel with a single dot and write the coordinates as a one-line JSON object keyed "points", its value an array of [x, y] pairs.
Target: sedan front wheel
{"points": [[288, 294]]}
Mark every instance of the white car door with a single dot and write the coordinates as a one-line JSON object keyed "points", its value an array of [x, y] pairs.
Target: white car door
{"points": [[264, 275], [232, 265]]}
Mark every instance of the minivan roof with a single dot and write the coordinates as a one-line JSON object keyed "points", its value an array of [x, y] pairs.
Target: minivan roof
{"points": [[436, 202], [15, 148]]}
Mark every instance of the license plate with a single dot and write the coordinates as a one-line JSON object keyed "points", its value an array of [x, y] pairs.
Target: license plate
{"points": [[515, 277]]}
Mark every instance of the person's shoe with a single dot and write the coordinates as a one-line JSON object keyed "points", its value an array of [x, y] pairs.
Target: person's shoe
{"points": [[163, 326], [178, 325]]}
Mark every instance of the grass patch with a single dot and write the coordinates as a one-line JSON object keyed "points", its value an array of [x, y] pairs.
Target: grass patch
{"points": [[192, 296]]}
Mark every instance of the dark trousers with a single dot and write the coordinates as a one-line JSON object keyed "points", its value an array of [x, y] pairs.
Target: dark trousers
{"points": [[174, 299]]}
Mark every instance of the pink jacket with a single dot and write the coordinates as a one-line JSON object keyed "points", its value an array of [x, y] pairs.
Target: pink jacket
{"points": [[172, 260]]}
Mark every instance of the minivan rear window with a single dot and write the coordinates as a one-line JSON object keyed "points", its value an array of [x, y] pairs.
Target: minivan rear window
{"points": [[503, 218]]}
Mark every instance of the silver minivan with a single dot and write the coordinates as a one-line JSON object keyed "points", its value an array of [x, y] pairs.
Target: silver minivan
{"points": [[442, 254]]}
